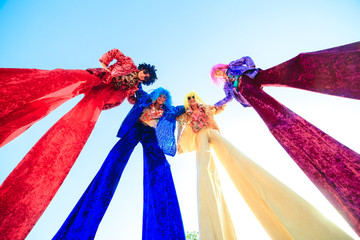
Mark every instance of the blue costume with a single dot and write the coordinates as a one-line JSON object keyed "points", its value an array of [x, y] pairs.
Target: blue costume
{"points": [[161, 212], [244, 65]]}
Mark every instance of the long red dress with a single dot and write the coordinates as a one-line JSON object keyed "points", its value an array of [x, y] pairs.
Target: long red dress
{"points": [[28, 95], [330, 165]]}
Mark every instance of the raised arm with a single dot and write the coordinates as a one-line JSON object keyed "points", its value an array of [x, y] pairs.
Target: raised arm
{"points": [[247, 61], [106, 59], [123, 66]]}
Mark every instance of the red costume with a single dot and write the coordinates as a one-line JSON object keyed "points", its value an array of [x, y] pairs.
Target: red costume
{"points": [[330, 165], [28, 95]]}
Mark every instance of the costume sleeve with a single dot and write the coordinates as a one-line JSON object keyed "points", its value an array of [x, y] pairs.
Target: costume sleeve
{"points": [[132, 92], [140, 94], [228, 92], [178, 110], [181, 123], [241, 62], [174, 112], [111, 55]]}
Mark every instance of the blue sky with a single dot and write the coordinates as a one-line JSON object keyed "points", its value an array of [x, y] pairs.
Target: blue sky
{"points": [[184, 39]]}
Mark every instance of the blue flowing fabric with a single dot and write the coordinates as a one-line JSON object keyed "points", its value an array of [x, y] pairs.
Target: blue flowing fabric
{"points": [[161, 212], [166, 126]]}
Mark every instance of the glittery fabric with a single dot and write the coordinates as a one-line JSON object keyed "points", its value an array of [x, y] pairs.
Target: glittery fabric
{"points": [[334, 71], [237, 68], [331, 166], [186, 122], [150, 116], [29, 188], [232, 93], [165, 127], [161, 213], [129, 80], [244, 65], [28, 95], [123, 65], [215, 222], [282, 212]]}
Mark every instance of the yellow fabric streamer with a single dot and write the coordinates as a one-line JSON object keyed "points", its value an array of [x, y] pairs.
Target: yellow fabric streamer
{"points": [[282, 212]]}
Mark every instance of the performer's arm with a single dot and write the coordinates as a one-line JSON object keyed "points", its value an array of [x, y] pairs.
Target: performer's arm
{"points": [[174, 112], [178, 110], [180, 126], [217, 110], [106, 59], [228, 92], [241, 62], [140, 94]]}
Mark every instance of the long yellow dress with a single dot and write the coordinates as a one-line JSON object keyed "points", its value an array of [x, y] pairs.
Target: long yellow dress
{"points": [[282, 212]]}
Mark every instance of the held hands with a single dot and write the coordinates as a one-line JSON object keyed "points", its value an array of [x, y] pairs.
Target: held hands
{"points": [[105, 67]]}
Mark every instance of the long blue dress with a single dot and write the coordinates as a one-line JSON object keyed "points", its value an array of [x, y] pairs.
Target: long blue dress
{"points": [[161, 212]]}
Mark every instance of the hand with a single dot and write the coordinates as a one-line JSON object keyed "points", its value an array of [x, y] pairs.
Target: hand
{"points": [[105, 67]]}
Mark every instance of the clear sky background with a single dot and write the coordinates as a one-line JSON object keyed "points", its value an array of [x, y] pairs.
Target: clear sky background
{"points": [[184, 39]]}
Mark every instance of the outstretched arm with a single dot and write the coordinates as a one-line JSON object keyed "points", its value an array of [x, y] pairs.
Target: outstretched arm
{"points": [[229, 96], [140, 94], [218, 110], [174, 112]]}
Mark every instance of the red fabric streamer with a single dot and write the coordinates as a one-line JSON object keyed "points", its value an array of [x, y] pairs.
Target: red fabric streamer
{"points": [[334, 71], [330, 165], [28, 95]]}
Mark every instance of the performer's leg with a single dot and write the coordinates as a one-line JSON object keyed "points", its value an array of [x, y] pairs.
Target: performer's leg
{"points": [[330, 165], [30, 187], [334, 71], [161, 216], [83, 221], [282, 212], [28, 95], [214, 218]]}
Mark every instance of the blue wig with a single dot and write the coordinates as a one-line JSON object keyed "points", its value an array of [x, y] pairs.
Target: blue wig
{"points": [[161, 91]]}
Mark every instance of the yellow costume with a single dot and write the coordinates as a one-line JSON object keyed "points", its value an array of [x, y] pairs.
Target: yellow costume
{"points": [[282, 212]]}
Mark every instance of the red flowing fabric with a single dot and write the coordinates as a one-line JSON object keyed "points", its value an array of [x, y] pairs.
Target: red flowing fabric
{"points": [[28, 95], [30, 187], [334, 71], [331, 166]]}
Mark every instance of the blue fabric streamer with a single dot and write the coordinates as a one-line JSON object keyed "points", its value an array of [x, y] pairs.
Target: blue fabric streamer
{"points": [[161, 211]]}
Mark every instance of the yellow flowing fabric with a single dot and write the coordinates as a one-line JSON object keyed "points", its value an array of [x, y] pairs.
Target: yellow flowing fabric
{"points": [[214, 218], [282, 212]]}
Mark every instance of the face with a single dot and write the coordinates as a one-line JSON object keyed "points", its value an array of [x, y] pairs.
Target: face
{"points": [[161, 99], [144, 75], [220, 74], [191, 99]]}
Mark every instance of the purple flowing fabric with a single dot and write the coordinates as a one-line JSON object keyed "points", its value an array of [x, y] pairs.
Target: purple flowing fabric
{"points": [[334, 71], [331, 166]]}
